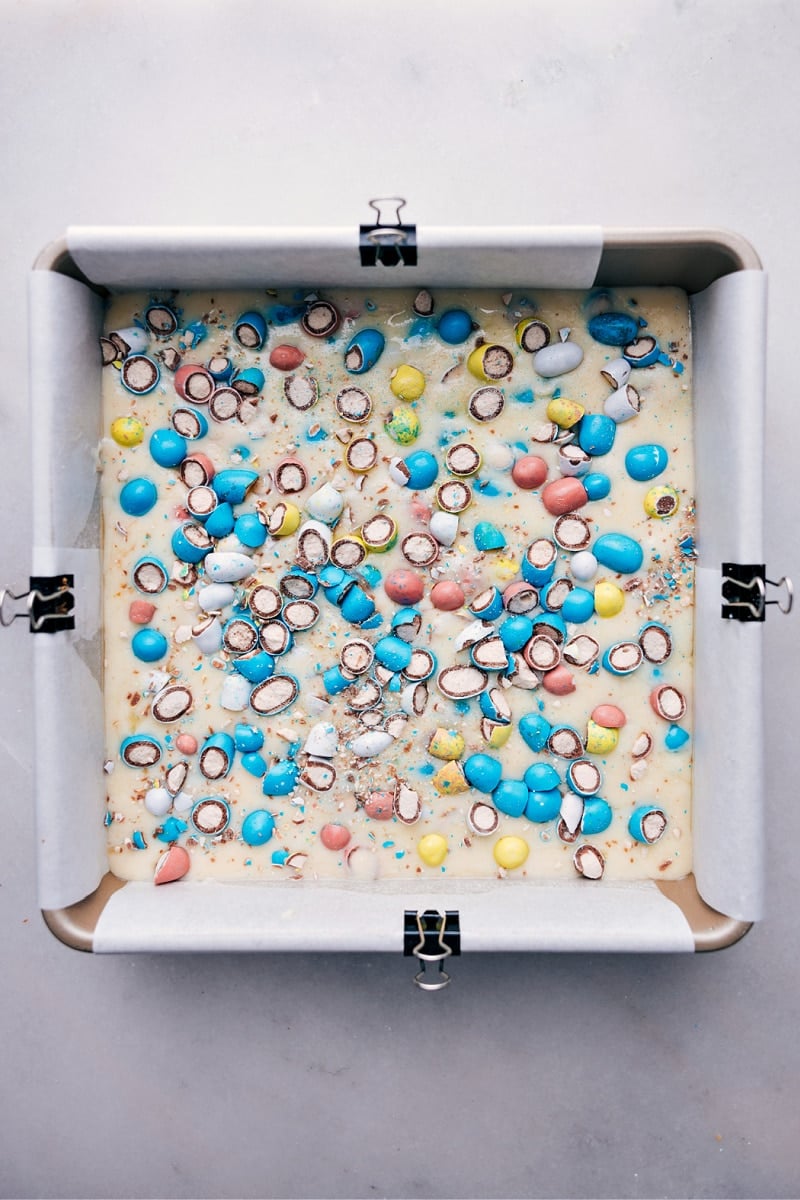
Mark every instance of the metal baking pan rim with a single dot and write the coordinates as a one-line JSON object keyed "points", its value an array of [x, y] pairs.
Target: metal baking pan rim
{"points": [[75, 924]]}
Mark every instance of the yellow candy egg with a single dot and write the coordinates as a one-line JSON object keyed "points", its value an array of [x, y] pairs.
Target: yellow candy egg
{"points": [[432, 849], [450, 780], [490, 362], [662, 502], [511, 852], [600, 740], [608, 599], [503, 568], [402, 425], [289, 522], [564, 413], [499, 735], [407, 383], [447, 744], [127, 431]]}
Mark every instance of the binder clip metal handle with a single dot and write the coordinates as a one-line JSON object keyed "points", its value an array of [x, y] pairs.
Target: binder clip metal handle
{"points": [[744, 592], [432, 937], [387, 240], [49, 604]]}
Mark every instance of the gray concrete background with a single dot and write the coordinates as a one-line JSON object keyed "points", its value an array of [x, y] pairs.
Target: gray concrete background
{"points": [[332, 1076]]}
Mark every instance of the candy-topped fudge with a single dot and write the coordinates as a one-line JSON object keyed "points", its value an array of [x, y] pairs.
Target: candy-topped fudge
{"points": [[398, 584]]}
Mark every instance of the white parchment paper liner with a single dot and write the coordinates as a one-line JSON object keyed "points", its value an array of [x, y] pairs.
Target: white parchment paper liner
{"points": [[319, 917], [65, 317], [729, 347], [729, 334], [164, 257]]}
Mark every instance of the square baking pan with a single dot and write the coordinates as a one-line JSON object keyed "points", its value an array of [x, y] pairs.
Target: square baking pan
{"points": [[90, 909]]}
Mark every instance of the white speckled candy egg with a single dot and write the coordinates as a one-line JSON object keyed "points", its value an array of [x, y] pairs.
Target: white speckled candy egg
{"points": [[158, 801]]}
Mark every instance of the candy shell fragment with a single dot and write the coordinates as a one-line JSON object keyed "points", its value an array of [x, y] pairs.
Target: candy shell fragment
{"points": [[172, 865]]}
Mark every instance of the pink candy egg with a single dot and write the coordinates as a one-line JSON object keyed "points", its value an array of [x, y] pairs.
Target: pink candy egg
{"points": [[609, 716], [333, 836], [141, 612], [447, 595], [564, 495], [172, 865], [559, 681], [286, 358], [404, 587], [379, 806], [529, 472], [186, 743]]}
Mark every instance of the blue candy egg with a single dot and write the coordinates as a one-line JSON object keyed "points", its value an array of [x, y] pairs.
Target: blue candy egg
{"points": [[254, 763], [488, 537], [251, 377], [248, 738], [258, 827], [363, 351], [614, 328], [597, 815], [534, 730], [393, 653], [676, 738], [454, 326], [256, 666], [140, 750], [578, 606], [357, 606], [221, 521], [138, 497], [647, 823], [250, 330], [281, 778], [543, 805], [250, 530], [597, 485], [541, 777], [510, 797], [646, 461], [490, 709], [515, 631], [492, 609], [233, 484], [149, 645], [370, 574], [187, 550], [167, 447], [618, 552], [422, 470], [330, 575], [596, 433], [334, 681], [483, 772]]}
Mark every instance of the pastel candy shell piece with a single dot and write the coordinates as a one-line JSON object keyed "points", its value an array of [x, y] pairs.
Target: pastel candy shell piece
{"points": [[173, 864]]}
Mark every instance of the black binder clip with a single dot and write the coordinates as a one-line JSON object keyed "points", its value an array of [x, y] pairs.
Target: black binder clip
{"points": [[387, 241], [49, 604], [431, 937], [744, 592]]}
